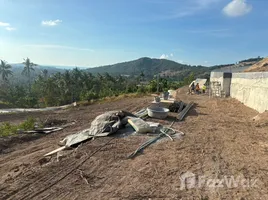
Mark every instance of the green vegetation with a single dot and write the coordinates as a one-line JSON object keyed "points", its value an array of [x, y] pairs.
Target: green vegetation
{"points": [[252, 59], [79, 85], [28, 68], [5, 70], [40, 87], [150, 67], [7, 129], [4, 105]]}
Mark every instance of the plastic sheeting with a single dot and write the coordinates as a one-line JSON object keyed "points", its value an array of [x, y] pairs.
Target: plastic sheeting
{"points": [[103, 125], [200, 81]]}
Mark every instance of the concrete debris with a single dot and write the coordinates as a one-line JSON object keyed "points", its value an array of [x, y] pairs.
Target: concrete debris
{"points": [[102, 126], [112, 122], [139, 125]]}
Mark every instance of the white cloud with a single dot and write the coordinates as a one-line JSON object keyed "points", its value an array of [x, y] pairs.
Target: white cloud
{"points": [[237, 8], [51, 22], [167, 56], [4, 24], [52, 46], [164, 56], [9, 28]]}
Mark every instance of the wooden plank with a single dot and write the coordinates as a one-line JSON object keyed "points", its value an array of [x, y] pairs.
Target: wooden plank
{"points": [[55, 151]]}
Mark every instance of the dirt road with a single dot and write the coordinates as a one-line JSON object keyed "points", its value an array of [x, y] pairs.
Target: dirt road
{"points": [[221, 141]]}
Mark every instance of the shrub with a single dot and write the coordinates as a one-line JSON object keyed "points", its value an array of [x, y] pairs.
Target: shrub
{"points": [[28, 124], [7, 129]]}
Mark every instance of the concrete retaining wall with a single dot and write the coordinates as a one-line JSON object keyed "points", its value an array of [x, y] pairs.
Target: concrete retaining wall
{"points": [[217, 77], [224, 78], [251, 89]]}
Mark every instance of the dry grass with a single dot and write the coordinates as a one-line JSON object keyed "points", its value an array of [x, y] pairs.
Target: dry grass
{"points": [[111, 99], [261, 66]]}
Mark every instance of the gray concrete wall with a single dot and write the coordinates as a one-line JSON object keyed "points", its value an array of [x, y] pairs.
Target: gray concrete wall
{"points": [[224, 79], [251, 89], [216, 76]]}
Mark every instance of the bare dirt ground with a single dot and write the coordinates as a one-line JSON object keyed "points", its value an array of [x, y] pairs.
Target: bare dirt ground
{"points": [[221, 139]]}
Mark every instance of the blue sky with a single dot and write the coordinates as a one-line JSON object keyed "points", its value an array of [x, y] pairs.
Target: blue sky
{"points": [[99, 32]]}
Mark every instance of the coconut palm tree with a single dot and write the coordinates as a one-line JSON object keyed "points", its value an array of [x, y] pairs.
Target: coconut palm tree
{"points": [[5, 70], [28, 67], [45, 73]]}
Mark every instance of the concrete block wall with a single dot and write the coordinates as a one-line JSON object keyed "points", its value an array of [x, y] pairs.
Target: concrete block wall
{"points": [[224, 78], [217, 77], [251, 89]]}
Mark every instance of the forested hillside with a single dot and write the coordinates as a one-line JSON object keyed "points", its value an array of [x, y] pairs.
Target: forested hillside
{"points": [[31, 85], [151, 67], [59, 88]]}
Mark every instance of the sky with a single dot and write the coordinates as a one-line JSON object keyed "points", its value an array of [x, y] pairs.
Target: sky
{"points": [[89, 33]]}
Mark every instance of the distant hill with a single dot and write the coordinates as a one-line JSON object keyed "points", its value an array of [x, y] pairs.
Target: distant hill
{"points": [[150, 67], [167, 68], [147, 66]]}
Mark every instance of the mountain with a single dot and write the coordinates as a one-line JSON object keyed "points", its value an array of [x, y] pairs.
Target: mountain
{"points": [[150, 67]]}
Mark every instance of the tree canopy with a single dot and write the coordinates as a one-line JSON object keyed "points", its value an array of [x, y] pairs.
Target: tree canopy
{"points": [[5, 70]]}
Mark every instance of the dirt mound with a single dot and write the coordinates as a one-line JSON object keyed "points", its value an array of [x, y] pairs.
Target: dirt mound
{"points": [[261, 66], [261, 119], [183, 90]]}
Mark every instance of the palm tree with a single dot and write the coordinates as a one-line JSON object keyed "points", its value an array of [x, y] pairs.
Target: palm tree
{"points": [[5, 70], [28, 67], [45, 73]]}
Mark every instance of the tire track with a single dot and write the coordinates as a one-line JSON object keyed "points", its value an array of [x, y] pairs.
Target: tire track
{"points": [[26, 193]]}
